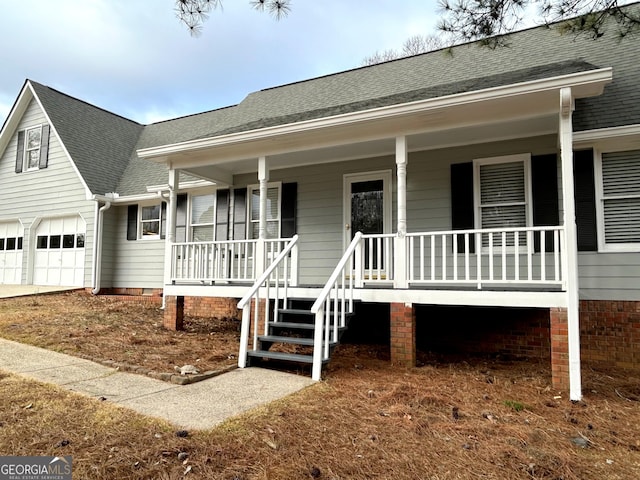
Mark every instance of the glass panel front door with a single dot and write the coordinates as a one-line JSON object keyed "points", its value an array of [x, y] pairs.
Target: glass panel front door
{"points": [[367, 216]]}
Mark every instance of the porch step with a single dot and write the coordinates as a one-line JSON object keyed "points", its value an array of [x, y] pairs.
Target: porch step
{"points": [[288, 357], [282, 339], [298, 326], [292, 325]]}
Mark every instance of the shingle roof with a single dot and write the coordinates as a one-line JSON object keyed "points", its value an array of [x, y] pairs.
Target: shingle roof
{"points": [[99, 142], [532, 54], [529, 54]]}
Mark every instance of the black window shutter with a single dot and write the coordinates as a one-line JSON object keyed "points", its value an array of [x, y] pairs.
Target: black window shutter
{"points": [[222, 214], [44, 147], [239, 213], [181, 218], [163, 220], [462, 215], [585, 197], [132, 222], [288, 210], [544, 189], [20, 152]]}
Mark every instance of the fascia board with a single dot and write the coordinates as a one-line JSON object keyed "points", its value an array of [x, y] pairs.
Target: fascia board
{"points": [[582, 83], [16, 113], [129, 199], [618, 138], [87, 190]]}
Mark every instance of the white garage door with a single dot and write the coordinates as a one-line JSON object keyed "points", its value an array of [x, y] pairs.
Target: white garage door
{"points": [[11, 252], [59, 254]]}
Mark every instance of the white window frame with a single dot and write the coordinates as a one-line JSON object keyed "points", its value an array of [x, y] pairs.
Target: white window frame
{"points": [[250, 221], [141, 207], [190, 223], [600, 199], [25, 159], [520, 157]]}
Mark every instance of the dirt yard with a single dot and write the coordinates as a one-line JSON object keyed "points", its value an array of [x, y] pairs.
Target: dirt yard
{"points": [[129, 333], [451, 418]]}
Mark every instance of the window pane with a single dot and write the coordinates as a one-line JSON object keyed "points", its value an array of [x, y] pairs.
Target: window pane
{"points": [[34, 158], [202, 209], [42, 241], [80, 240], [1, 243], [255, 230], [33, 138], [54, 241], [11, 244], [622, 220], [19, 243], [151, 213], [502, 183], [504, 217], [255, 205], [272, 230], [151, 228], [621, 173], [273, 210], [202, 234], [68, 241]]}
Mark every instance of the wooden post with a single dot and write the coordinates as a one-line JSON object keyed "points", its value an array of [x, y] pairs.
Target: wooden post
{"points": [[570, 264], [400, 243]]}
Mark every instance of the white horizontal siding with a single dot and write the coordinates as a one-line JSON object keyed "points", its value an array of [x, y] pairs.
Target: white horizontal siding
{"points": [[134, 263], [609, 276], [53, 191]]}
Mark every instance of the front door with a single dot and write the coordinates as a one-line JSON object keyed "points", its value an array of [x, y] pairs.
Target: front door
{"points": [[367, 208]]}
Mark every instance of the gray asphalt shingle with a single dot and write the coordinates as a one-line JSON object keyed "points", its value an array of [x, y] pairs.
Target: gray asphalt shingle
{"points": [[103, 145]]}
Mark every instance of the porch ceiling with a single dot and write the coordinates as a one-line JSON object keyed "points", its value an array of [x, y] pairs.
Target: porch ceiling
{"points": [[516, 111]]}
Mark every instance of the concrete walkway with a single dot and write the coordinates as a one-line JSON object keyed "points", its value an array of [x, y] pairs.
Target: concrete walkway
{"points": [[7, 291], [200, 405]]}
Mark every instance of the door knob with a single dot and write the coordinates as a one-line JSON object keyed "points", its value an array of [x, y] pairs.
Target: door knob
{"points": [[347, 226]]}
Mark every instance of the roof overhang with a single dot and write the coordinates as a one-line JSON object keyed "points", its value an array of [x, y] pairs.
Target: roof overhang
{"points": [[508, 103]]}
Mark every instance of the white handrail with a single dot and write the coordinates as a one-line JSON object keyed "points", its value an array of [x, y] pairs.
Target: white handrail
{"points": [[263, 278], [330, 308], [334, 276], [254, 293]]}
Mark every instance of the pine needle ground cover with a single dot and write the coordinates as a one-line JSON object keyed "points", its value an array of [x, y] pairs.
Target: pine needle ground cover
{"points": [[451, 418]]}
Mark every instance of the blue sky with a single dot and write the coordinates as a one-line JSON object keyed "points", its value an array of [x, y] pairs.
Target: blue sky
{"points": [[134, 58]]}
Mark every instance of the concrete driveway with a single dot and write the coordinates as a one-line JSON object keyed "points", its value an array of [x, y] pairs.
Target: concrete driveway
{"points": [[7, 291]]}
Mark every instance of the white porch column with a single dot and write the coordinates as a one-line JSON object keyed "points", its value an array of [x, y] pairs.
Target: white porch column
{"points": [[400, 241], [174, 181], [565, 136], [263, 179]]}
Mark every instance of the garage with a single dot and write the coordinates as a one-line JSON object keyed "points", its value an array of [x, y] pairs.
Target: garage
{"points": [[60, 251], [11, 234]]}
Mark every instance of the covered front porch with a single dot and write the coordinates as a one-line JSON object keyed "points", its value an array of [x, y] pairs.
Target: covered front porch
{"points": [[416, 249]]}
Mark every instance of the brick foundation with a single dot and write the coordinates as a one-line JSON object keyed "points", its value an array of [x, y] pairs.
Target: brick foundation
{"points": [[131, 292], [174, 313], [219, 307], [559, 348], [403, 334], [509, 332], [261, 317], [610, 333]]}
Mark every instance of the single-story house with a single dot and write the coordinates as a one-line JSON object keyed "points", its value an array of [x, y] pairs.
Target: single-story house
{"points": [[461, 179]]}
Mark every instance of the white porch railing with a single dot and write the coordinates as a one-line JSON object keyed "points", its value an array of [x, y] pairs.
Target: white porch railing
{"points": [[375, 257], [517, 256], [273, 284], [233, 260], [334, 303]]}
